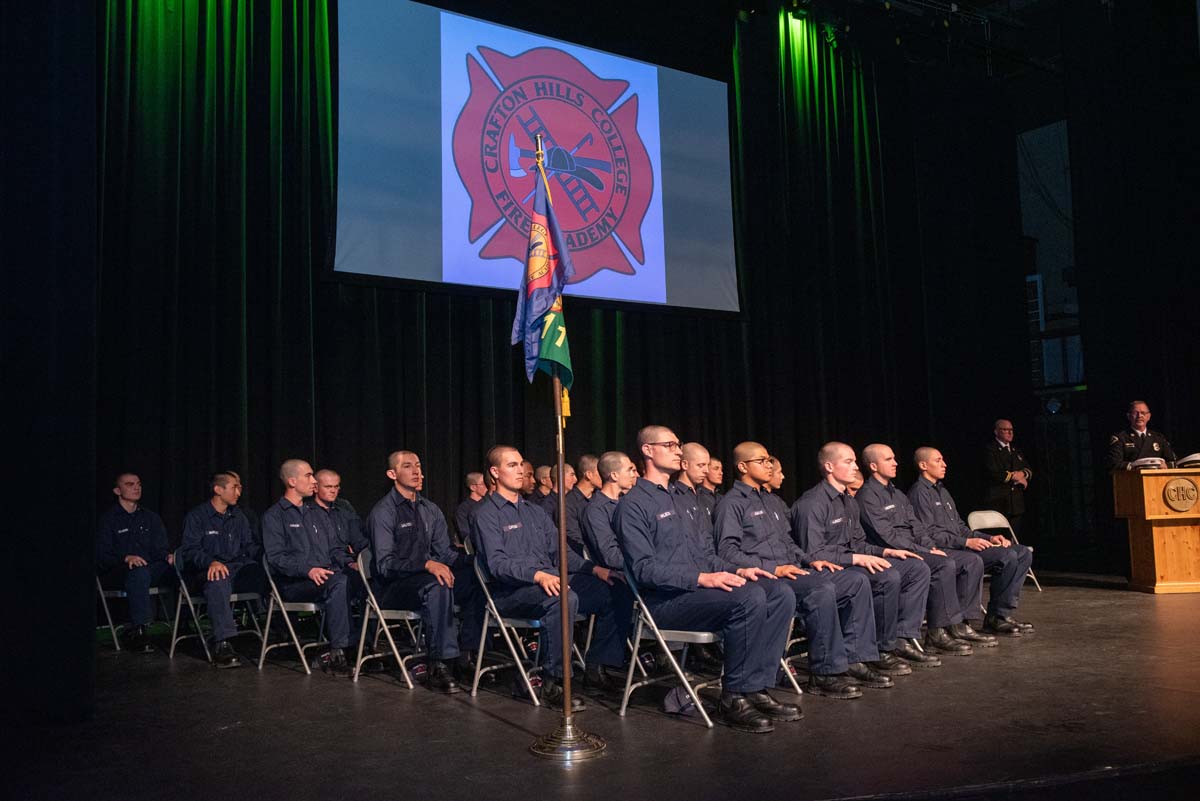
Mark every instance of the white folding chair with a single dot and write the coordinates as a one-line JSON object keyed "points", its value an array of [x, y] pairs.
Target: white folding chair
{"points": [[197, 603], [285, 607], [159, 593], [373, 610], [664, 636], [990, 519]]}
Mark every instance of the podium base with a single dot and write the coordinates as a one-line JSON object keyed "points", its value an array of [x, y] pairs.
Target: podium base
{"points": [[568, 744]]}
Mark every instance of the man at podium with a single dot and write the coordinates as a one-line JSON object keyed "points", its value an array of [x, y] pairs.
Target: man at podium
{"points": [[1137, 441]]}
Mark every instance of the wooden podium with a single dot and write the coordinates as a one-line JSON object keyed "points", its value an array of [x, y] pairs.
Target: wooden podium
{"points": [[1162, 510]]}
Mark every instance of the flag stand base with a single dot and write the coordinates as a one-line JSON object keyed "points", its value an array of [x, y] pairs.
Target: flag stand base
{"points": [[568, 744]]}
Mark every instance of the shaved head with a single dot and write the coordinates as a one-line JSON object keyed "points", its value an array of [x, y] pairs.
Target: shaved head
{"points": [[873, 453], [829, 452], [291, 469], [923, 454], [395, 456], [325, 474], [747, 450]]}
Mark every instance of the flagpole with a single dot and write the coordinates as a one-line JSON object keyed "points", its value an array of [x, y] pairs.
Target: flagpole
{"points": [[567, 743]]}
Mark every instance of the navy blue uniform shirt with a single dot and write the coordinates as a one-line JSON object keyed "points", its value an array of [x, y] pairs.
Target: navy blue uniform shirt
{"points": [[211, 536], [296, 540], [888, 518], [138, 533], [598, 532], [935, 508], [660, 542], [462, 518], [826, 526], [749, 531], [708, 501], [406, 534], [576, 502], [516, 540], [689, 498]]}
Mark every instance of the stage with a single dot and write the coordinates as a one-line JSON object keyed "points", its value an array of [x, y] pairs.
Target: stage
{"points": [[1103, 700]]}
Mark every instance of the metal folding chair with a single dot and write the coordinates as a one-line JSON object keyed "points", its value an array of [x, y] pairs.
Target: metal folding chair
{"points": [[382, 616], [664, 636], [197, 603], [285, 607], [988, 519], [156, 592]]}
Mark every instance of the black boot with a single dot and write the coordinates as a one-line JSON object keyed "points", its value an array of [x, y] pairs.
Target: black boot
{"points": [[224, 656], [890, 665], [864, 676], [1001, 627], [1026, 628], [738, 713], [338, 665], [598, 679], [940, 640], [963, 631], [552, 695], [439, 679], [910, 652], [838, 686], [139, 641], [777, 712]]}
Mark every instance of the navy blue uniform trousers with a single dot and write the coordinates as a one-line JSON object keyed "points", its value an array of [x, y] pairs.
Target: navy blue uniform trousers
{"points": [[421, 592], [1008, 567], [954, 586], [898, 595], [587, 595], [839, 620], [754, 621], [243, 577], [336, 593], [136, 584]]}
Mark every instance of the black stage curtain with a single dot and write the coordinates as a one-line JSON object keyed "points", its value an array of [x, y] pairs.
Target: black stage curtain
{"points": [[878, 236]]}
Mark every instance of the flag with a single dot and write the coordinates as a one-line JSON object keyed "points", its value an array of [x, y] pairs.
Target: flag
{"points": [[539, 321]]}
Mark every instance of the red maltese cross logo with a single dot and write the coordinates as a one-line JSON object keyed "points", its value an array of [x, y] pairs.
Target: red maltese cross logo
{"points": [[599, 171]]}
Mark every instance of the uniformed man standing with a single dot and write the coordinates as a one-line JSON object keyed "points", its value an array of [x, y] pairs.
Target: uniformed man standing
{"points": [[581, 485], [476, 490], [687, 587], [308, 563], [1009, 561], [221, 547], [518, 555], [955, 582], [825, 523], [1137, 441], [836, 608], [416, 568], [132, 555], [1008, 475]]}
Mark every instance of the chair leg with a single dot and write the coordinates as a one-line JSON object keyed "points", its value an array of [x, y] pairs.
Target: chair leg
{"points": [[683, 678], [175, 625], [262, 654], [295, 638], [396, 653], [107, 614], [362, 641], [1035, 581], [633, 660], [199, 629], [787, 671], [516, 655], [487, 616]]}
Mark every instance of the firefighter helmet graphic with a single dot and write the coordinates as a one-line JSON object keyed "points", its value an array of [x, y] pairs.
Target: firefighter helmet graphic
{"points": [[599, 171]]}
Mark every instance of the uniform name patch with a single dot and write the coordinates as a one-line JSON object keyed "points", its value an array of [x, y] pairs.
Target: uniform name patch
{"points": [[664, 515], [510, 527], [836, 520], [889, 506], [757, 513], [212, 531], [122, 530], [293, 525], [406, 525]]}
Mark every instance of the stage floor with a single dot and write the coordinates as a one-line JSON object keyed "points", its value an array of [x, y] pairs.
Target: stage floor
{"points": [[1106, 695]]}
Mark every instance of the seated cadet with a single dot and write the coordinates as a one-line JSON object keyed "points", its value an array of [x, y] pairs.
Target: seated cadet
{"points": [[694, 460], [855, 484], [1137, 441], [825, 524], [132, 555], [518, 553], [886, 663], [686, 586], [549, 502], [529, 482], [347, 525], [835, 604], [221, 549], [476, 490], [308, 562], [710, 491], [618, 475], [1008, 561], [415, 567], [543, 483], [955, 581], [585, 482]]}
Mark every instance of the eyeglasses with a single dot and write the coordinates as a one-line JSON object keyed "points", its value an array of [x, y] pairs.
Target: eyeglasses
{"points": [[762, 460], [671, 446], [1140, 414]]}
